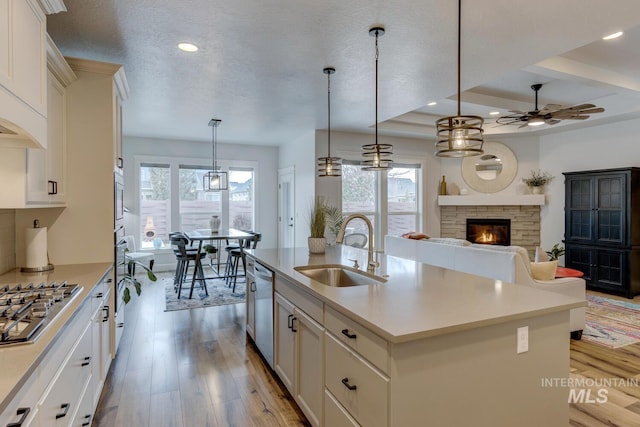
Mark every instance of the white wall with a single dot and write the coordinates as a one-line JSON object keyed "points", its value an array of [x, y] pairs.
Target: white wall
{"points": [[602, 147], [349, 146], [299, 153], [266, 179]]}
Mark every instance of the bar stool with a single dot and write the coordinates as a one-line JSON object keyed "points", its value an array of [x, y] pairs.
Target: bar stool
{"points": [[184, 256], [235, 255]]}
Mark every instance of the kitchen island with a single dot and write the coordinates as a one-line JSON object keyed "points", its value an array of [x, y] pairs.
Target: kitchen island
{"points": [[429, 346]]}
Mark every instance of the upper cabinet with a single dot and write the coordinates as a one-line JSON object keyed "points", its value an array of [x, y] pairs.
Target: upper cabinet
{"points": [[23, 74]]}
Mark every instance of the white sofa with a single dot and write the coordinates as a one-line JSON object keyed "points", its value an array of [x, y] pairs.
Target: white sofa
{"points": [[506, 263]]}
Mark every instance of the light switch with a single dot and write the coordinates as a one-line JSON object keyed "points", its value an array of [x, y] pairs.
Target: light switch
{"points": [[523, 340]]}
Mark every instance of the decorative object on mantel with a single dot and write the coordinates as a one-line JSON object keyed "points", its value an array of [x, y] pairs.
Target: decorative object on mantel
{"points": [[459, 136], [377, 156], [317, 223], [215, 179], [537, 180], [453, 189], [329, 166], [443, 187], [493, 171]]}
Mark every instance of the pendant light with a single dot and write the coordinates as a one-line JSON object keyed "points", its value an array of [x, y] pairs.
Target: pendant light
{"points": [[215, 179], [377, 157], [329, 166], [459, 136]]}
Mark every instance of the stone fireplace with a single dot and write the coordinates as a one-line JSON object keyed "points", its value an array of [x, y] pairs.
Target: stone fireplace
{"points": [[525, 222], [489, 231]]}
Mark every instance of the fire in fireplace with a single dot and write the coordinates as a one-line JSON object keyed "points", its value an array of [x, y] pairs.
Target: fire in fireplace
{"points": [[489, 231]]}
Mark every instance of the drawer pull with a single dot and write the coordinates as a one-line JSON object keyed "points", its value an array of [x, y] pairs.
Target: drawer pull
{"points": [[86, 423], [292, 328], [252, 286], [345, 381], [65, 407], [346, 333], [290, 321], [86, 362], [106, 313], [120, 325], [21, 411], [99, 295]]}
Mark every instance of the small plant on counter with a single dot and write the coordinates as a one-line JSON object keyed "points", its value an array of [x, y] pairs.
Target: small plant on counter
{"points": [[318, 218], [556, 252], [538, 179], [130, 280]]}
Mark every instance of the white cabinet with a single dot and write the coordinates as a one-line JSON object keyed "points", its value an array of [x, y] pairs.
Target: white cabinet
{"points": [[23, 68], [23, 410], [251, 299], [105, 338], [299, 350]]}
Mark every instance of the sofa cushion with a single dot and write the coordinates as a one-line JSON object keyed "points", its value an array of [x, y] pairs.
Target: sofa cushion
{"points": [[449, 241], [544, 270]]}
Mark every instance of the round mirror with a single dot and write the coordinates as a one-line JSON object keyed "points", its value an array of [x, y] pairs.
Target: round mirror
{"points": [[491, 171]]}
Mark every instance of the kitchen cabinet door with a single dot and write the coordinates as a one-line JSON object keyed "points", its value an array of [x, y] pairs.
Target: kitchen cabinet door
{"points": [[284, 341], [251, 306], [309, 383], [105, 337]]}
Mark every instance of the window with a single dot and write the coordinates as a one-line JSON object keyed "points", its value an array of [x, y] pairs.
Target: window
{"points": [[172, 198], [364, 192]]}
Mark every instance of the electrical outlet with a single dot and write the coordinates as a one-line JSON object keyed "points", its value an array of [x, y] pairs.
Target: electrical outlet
{"points": [[523, 340]]}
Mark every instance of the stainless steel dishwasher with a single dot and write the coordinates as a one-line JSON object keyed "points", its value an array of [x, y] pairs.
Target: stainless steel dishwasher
{"points": [[264, 311]]}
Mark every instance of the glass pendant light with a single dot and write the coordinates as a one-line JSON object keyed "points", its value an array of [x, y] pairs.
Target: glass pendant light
{"points": [[329, 166], [377, 156], [215, 179], [459, 136]]}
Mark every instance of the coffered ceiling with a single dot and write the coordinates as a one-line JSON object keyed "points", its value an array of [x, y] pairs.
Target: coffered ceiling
{"points": [[259, 67]]}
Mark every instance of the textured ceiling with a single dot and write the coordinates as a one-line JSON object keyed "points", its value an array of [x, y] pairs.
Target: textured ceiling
{"points": [[259, 67]]}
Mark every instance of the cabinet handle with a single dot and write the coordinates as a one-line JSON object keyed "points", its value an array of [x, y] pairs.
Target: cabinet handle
{"points": [[21, 411], [293, 320], [290, 321], [252, 286], [86, 423], [346, 333], [65, 408], [51, 189], [109, 281], [99, 295], [345, 381], [55, 187], [106, 313], [120, 161], [120, 325], [86, 362]]}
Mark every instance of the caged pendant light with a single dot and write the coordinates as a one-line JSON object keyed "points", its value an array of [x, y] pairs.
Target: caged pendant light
{"points": [[377, 157], [459, 136], [215, 179], [329, 166]]}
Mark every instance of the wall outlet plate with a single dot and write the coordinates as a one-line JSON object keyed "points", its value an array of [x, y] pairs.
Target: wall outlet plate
{"points": [[523, 340]]}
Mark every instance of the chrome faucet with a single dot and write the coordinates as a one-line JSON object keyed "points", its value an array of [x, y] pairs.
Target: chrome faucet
{"points": [[371, 264]]}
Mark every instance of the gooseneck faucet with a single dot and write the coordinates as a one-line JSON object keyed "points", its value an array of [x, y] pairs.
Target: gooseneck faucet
{"points": [[371, 264]]}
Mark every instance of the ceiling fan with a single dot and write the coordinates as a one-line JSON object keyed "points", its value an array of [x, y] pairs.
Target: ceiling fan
{"points": [[550, 114]]}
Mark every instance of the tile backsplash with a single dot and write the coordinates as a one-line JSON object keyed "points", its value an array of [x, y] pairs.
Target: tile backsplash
{"points": [[7, 240]]}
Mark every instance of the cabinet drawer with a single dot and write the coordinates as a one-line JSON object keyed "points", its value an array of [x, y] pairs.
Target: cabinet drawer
{"points": [[368, 402], [301, 299], [60, 402], [27, 398], [67, 339], [84, 415], [334, 414], [97, 296], [251, 263], [353, 335]]}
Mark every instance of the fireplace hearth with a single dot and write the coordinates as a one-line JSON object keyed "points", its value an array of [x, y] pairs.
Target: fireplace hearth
{"points": [[489, 231]]}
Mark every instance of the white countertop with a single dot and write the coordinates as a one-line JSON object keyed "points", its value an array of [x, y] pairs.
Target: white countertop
{"points": [[19, 361], [418, 300]]}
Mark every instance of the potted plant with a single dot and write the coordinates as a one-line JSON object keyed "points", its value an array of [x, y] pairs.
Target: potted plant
{"points": [[317, 224], [210, 250], [537, 180], [334, 220], [556, 252], [130, 280]]}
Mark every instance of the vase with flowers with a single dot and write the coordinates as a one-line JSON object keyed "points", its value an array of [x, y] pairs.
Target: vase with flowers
{"points": [[537, 180]]}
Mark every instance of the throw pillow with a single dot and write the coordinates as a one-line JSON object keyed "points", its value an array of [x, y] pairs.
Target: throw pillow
{"points": [[541, 255], [415, 236], [544, 270]]}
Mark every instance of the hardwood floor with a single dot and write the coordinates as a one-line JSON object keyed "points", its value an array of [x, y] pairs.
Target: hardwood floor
{"points": [[195, 368], [190, 368]]}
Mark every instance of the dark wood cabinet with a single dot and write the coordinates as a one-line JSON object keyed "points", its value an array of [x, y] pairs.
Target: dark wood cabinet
{"points": [[602, 232]]}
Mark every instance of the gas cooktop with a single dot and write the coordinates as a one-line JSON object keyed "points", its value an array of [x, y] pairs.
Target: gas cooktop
{"points": [[25, 310]]}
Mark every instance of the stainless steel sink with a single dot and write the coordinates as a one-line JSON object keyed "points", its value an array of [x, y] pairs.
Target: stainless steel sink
{"points": [[339, 275]]}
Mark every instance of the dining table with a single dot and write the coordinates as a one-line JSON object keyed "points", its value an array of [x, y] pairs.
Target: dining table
{"points": [[206, 234]]}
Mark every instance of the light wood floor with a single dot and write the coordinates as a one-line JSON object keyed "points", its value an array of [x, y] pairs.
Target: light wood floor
{"points": [[194, 368]]}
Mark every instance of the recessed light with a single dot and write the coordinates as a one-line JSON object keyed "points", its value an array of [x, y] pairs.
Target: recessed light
{"points": [[494, 113], [431, 104], [188, 47], [612, 36]]}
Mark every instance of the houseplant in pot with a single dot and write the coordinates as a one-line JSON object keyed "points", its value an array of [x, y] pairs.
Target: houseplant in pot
{"points": [[537, 180], [317, 224], [129, 279]]}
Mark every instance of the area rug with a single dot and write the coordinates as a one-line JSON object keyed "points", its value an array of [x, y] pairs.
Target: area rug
{"points": [[611, 323], [219, 294]]}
